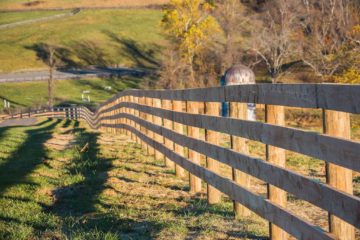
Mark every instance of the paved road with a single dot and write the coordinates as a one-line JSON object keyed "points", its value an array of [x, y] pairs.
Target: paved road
{"points": [[70, 74], [18, 122]]}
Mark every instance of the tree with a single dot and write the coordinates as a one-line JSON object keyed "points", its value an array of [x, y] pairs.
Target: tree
{"points": [[52, 56], [327, 45], [231, 18], [274, 36], [352, 73], [191, 27], [171, 70]]}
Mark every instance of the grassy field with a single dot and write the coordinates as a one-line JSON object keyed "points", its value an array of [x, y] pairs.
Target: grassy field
{"points": [[129, 37], [50, 189], [44, 4], [12, 17], [34, 94]]}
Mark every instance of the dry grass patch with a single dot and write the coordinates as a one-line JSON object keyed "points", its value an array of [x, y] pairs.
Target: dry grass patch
{"points": [[69, 4]]}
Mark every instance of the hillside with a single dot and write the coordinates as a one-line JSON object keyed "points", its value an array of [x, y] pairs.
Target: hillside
{"points": [[129, 37], [67, 4], [34, 94]]}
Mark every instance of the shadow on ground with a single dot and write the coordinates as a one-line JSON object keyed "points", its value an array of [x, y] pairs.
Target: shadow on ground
{"points": [[28, 155], [81, 204]]}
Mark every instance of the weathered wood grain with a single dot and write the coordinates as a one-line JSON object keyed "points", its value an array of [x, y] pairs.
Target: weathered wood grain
{"points": [[264, 208], [338, 124], [276, 115], [212, 109], [342, 152], [338, 97], [341, 204]]}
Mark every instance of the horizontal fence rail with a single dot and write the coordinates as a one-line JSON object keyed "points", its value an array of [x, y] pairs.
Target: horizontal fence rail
{"points": [[165, 122], [343, 98], [60, 112]]}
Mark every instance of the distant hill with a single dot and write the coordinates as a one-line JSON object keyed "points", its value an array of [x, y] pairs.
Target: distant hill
{"points": [[67, 4]]}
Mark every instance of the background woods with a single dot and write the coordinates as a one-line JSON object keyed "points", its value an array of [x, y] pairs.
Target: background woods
{"points": [[274, 37]]}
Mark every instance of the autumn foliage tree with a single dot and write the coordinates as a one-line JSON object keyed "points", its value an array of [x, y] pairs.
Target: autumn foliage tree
{"points": [[327, 27], [352, 73], [190, 27]]}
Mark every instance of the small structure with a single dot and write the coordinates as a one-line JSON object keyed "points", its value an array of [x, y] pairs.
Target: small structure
{"points": [[6, 104], [85, 96], [237, 75]]}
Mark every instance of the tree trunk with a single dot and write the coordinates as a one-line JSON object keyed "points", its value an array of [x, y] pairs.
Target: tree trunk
{"points": [[192, 76]]}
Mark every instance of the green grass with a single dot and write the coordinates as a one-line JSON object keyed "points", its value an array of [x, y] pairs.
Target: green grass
{"points": [[34, 94], [12, 17], [129, 37], [110, 191]]}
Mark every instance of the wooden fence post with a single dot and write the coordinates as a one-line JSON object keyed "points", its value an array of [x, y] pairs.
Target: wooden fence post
{"points": [[179, 128], [150, 134], [238, 144], [118, 119], [193, 132], [132, 123], [337, 124], [142, 101], [158, 121], [167, 105], [137, 114], [123, 121], [213, 109], [113, 122], [108, 129], [127, 121], [276, 115]]}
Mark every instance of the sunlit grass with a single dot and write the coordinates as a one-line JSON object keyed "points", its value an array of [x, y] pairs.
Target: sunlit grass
{"points": [[118, 37], [110, 191], [34, 94]]}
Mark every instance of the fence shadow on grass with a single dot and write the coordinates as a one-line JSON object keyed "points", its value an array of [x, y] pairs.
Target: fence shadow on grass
{"points": [[27, 156], [79, 204]]}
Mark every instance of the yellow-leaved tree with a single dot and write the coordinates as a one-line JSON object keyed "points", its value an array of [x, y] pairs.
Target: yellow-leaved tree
{"points": [[352, 73], [191, 26]]}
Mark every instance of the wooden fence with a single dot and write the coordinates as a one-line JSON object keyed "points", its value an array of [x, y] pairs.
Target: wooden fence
{"points": [[168, 122], [56, 112]]}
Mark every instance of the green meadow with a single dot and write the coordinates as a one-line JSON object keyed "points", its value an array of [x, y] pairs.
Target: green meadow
{"points": [[50, 188], [34, 94], [127, 37], [12, 17]]}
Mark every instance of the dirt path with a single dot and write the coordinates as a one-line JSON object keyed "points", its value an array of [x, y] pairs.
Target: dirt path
{"points": [[39, 20], [18, 122], [64, 74]]}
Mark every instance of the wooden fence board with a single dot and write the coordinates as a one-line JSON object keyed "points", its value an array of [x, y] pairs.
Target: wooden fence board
{"points": [[339, 151], [327, 96], [264, 208], [341, 204]]}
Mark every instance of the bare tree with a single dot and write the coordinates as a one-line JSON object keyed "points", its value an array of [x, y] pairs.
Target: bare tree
{"points": [[171, 71], [53, 57], [231, 17], [326, 27], [274, 36]]}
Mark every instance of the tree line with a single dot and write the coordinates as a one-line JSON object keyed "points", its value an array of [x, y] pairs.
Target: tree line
{"points": [[205, 37]]}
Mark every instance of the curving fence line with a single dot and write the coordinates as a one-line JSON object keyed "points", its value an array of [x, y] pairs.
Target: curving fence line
{"points": [[166, 122]]}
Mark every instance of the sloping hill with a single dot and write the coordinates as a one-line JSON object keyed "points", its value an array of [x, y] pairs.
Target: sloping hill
{"points": [[66, 4]]}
